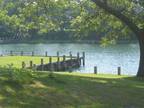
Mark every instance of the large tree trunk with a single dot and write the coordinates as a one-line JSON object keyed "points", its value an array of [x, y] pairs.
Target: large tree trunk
{"points": [[141, 63], [132, 26]]}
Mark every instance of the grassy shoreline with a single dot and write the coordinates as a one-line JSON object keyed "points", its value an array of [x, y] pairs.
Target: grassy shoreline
{"points": [[74, 90], [16, 61]]}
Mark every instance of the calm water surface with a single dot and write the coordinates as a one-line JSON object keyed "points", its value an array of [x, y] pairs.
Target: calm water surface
{"points": [[106, 59]]}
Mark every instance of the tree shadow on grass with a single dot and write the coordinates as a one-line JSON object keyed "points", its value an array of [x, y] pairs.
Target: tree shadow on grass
{"points": [[65, 91]]}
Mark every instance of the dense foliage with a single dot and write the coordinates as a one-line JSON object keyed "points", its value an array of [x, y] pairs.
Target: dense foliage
{"points": [[17, 76], [94, 18], [63, 19]]}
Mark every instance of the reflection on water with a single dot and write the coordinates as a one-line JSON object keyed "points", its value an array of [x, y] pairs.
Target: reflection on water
{"points": [[106, 59]]}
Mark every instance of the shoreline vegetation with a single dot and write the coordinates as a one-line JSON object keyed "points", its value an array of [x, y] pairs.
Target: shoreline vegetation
{"points": [[65, 89], [71, 90], [37, 41]]}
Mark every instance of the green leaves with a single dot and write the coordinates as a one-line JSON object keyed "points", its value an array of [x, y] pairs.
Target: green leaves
{"points": [[20, 76], [81, 17], [105, 25]]}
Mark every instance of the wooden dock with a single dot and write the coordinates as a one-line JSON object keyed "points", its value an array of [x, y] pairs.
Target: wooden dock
{"points": [[68, 62]]}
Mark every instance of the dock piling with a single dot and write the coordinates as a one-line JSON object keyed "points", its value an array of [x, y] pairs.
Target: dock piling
{"points": [[95, 70], [31, 64], [23, 65], [119, 70], [64, 57], [83, 58]]}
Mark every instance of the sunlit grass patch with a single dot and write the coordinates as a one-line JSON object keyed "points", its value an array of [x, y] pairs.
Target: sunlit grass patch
{"points": [[73, 90], [16, 61], [93, 75]]}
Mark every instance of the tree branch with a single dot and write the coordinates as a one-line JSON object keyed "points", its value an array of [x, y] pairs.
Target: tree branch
{"points": [[119, 15]]}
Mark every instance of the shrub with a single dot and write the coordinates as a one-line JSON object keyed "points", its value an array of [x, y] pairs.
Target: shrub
{"points": [[21, 76]]}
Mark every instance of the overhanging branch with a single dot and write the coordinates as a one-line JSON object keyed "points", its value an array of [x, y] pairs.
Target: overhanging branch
{"points": [[119, 15]]}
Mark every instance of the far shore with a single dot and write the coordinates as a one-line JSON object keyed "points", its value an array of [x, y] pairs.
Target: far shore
{"points": [[62, 41]]}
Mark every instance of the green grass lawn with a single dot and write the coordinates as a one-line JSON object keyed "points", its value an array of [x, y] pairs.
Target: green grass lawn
{"points": [[17, 60], [73, 90]]}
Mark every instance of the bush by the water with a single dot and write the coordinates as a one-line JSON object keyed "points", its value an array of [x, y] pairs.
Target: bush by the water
{"points": [[21, 76]]}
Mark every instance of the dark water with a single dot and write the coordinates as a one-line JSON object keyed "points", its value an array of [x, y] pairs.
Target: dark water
{"points": [[106, 59]]}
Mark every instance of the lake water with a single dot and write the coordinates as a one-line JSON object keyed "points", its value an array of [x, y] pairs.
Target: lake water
{"points": [[106, 59]]}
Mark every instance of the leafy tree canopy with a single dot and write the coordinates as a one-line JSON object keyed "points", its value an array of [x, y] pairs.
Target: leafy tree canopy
{"points": [[23, 17], [94, 18]]}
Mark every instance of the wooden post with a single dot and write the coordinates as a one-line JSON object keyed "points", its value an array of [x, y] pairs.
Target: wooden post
{"points": [[78, 55], [70, 58], [58, 64], [64, 57], [42, 62], [95, 70], [50, 62], [58, 59], [11, 53], [50, 59], [23, 65], [21, 53], [32, 53], [83, 58], [79, 59], [31, 64], [119, 70], [46, 53]]}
